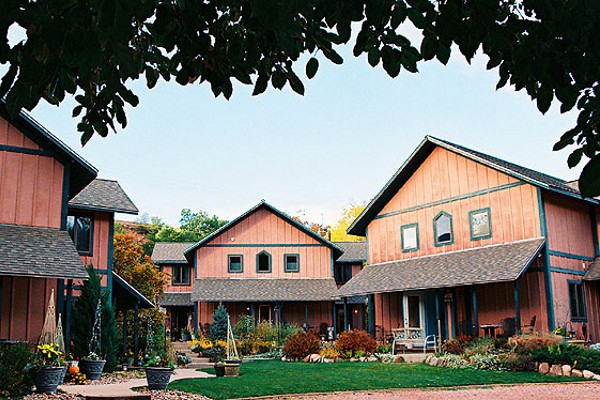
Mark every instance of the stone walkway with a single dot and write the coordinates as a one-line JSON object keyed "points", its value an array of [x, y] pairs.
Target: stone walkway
{"points": [[124, 388]]}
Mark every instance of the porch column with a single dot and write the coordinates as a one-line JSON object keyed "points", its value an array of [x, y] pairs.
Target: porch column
{"points": [[438, 321], [60, 297], [195, 319], [468, 313], [1, 283], [404, 324], [475, 312], [136, 327], [517, 309], [252, 313], [68, 316], [125, 312], [371, 315], [334, 319], [306, 315], [345, 314], [279, 307]]}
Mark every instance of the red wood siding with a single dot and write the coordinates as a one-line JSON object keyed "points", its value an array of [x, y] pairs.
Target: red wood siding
{"points": [[24, 302], [443, 176], [11, 136], [263, 230]]}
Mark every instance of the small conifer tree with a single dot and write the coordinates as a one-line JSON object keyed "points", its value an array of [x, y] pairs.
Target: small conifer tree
{"points": [[218, 327]]}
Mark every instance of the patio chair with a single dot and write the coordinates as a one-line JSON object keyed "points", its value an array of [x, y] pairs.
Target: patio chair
{"points": [[508, 328], [529, 329]]}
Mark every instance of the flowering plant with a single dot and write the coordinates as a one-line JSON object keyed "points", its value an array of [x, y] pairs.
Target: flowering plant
{"points": [[48, 355], [160, 361]]}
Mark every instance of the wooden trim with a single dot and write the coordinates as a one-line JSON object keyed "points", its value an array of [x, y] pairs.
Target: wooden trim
{"points": [[76, 215], [480, 210], [270, 258], [241, 256], [594, 224], [450, 199], [570, 255], [407, 250], [435, 235], [266, 245], [567, 271], [285, 267], [577, 283], [64, 209], [547, 273], [21, 150], [111, 250]]}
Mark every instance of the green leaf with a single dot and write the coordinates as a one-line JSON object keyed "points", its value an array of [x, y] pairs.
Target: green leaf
{"points": [[295, 83], [589, 181], [544, 98], [443, 53], [574, 158], [416, 18], [333, 56], [398, 15], [261, 85], [429, 47], [374, 56], [312, 66]]}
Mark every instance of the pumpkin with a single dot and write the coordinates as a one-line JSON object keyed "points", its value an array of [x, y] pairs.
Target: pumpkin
{"points": [[73, 370]]}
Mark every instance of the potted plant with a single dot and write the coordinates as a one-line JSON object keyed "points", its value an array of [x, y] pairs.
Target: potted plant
{"points": [[158, 371], [47, 368], [185, 335], [220, 369], [233, 361], [93, 364]]}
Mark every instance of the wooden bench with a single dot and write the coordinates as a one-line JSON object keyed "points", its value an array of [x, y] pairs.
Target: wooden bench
{"points": [[411, 338]]}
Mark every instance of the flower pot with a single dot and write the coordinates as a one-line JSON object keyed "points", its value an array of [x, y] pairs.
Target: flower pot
{"points": [[232, 369], [219, 370], [63, 374], [92, 368], [158, 378], [47, 379]]}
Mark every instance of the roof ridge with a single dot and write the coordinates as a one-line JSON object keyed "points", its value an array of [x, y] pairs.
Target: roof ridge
{"points": [[462, 251]]}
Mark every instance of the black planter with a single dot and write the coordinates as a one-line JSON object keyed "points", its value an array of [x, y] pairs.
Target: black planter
{"points": [[47, 379], [92, 368], [63, 374], [158, 378], [219, 370]]}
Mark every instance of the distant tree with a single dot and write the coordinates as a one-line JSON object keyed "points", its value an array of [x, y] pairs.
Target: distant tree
{"points": [[320, 229], [84, 312], [218, 327], [349, 214], [199, 223]]}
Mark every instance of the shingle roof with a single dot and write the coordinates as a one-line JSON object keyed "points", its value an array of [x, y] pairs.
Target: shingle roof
{"points": [[170, 252], [127, 296], [263, 204], [425, 148], [480, 265], [593, 273], [176, 299], [38, 252], [353, 252], [265, 289], [104, 195]]}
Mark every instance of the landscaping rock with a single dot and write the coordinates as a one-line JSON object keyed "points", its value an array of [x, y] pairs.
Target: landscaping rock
{"points": [[576, 373], [596, 377], [353, 359], [555, 370], [307, 358], [362, 359], [326, 360], [433, 361], [566, 370], [544, 368], [588, 374], [314, 358], [372, 359]]}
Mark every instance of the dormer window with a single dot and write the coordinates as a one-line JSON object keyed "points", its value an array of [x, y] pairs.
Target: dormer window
{"points": [[442, 229], [263, 262], [80, 229]]}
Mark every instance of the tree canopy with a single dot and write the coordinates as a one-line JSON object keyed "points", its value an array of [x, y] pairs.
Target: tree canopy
{"points": [[92, 49], [349, 214]]}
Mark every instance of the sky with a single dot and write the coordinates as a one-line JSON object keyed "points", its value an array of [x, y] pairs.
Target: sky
{"points": [[309, 155]]}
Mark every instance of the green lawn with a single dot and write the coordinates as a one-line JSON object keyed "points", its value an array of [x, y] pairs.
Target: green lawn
{"points": [[263, 378]]}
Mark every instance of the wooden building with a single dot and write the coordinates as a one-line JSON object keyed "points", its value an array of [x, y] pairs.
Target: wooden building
{"points": [[267, 265], [55, 218], [459, 240]]}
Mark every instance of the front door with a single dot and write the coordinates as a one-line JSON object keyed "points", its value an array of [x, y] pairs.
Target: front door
{"points": [[264, 313], [414, 310]]}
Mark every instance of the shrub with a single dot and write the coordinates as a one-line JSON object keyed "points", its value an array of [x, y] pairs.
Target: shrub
{"points": [[351, 342], [329, 352], [566, 354], [481, 346], [530, 343], [14, 382], [484, 361], [301, 345], [456, 346], [516, 362], [384, 349], [218, 327]]}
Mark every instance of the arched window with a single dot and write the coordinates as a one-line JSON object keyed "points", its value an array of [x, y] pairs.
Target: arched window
{"points": [[442, 228], [263, 262]]}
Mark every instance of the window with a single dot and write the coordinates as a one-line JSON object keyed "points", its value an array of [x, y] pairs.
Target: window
{"points": [[263, 262], [577, 301], [342, 273], [235, 263], [80, 229], [410, 237], [291, 262], [181, 275], [481, 224], [442, 229]]}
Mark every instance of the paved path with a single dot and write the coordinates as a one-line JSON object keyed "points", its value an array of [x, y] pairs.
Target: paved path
{"points": [[124, 388], [554, 391]]}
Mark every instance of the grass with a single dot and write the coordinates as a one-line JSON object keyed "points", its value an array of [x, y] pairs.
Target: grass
{"points": [[264, 378]]}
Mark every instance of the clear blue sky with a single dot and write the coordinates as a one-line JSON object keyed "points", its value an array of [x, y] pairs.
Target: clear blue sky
{"points": [[339, 143]]}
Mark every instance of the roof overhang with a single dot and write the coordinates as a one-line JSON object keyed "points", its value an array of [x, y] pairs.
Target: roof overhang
{"points": [[593, 272], [477, 266], [126, 296], [176, 299], [264, 289]]}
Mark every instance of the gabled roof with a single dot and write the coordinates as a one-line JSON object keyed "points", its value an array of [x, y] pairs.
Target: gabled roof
{"points": [[476, 266], [593, 272], [31, 251], [127, 296], [81, 171], [337, 251], [425, 148], [170, 252], [264, 289], [354, 252], [103, 195]]}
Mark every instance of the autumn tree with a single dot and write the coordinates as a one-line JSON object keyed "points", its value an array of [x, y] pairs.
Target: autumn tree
{"points": [[92, 50], [349, 214]]}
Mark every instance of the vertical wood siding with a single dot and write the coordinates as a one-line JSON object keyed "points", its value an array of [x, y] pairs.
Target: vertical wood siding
{"points": [[263, 230], [11, 136], [445, 175], [24, 302], [101, 239]]}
